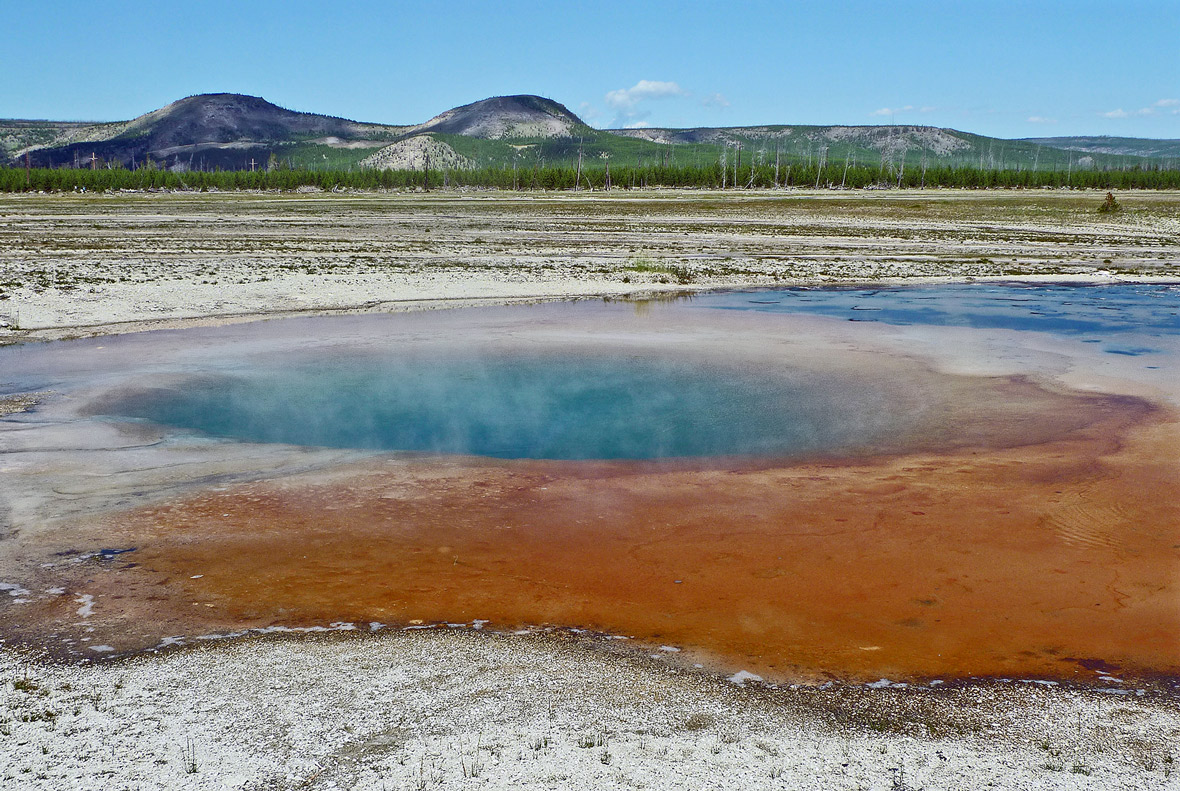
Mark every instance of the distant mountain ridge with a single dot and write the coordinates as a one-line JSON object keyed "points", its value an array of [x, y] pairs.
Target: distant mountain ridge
{"points": [[1131, 146], [235, 132]]}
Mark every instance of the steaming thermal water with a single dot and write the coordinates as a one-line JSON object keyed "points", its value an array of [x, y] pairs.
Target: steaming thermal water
{"points": [[541, 406], [647, 405], [997, 529]]}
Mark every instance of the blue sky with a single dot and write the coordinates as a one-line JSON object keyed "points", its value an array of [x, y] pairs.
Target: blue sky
{"points": [[1009, 69]]}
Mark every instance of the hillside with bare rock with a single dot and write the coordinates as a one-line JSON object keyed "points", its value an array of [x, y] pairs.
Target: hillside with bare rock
{"points": [[503, 117], [218, 129], [417, 153], [226, 131]]}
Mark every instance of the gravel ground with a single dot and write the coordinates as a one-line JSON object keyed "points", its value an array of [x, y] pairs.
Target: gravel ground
{"points": [[454, 708], [84, 260]]}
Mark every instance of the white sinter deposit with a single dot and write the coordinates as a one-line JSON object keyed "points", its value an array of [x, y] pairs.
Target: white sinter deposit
{"points": [[455, 708]]}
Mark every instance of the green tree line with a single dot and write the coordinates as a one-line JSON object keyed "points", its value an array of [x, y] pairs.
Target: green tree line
{"points": [[714, 176]]}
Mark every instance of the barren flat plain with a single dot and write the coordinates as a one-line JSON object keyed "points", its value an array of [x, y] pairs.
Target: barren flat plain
{"points": [[82, 260], [986, 594]]}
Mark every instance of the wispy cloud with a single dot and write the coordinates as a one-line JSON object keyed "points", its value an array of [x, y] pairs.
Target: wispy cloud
{"points": [[909, 108], [637, 125], [624, 98], [627, 101], [1040, 119], [1170, 105], [715, 100], [588, 112], [893, 110]]}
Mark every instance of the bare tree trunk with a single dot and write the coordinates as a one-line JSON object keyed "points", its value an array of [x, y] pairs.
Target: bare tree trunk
{"points": [[776, 160], [820, 162], [578, 178]]}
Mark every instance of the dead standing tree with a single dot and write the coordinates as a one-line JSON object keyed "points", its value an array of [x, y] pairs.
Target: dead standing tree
{"points": [[756, 160], [905, 149], [820, 161], [578, 177]]}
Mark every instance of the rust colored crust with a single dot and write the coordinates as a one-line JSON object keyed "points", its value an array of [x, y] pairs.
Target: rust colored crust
{"points": [[1019, 561]]}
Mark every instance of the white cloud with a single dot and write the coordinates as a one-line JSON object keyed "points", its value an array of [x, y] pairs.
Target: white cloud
{"points": [[626, 98], [927, 109], [893, 110], [588, 112], [1144, 111], [626, 101], [1040, 119], [715, 100], [637, 125]]}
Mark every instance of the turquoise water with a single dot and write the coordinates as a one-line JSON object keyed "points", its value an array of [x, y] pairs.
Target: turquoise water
{"points": [[544, 406], [1103, 312], [421, 384]]}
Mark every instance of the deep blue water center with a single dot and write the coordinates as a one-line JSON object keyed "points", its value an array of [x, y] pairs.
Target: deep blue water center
{"points": [[542, 406], [559, 403]]}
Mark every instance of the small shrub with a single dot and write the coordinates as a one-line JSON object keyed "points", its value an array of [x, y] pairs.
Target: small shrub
{"points": [[588, 740], [698, 722], [188, 756], [1110, 205], [25, 685]]}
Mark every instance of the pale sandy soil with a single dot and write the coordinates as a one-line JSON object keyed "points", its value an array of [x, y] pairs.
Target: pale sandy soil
{"points": [[84, 260], [455, 708]]}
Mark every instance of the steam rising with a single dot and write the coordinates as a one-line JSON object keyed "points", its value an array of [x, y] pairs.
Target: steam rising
{"points": [[534, 406]]}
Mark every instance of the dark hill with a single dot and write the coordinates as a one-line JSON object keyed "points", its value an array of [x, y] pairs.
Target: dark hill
{"points": [[228, 118], [219, 129]]}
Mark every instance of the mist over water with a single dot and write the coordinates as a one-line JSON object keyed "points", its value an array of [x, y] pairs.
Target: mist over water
{"points": [[539, 406]]}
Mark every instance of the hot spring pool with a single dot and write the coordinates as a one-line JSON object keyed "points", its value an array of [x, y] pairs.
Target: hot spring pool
{"points": [[931, 482], [538, 406]]}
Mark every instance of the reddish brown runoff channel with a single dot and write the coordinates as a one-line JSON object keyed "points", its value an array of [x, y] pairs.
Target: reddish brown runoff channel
{"points": [[1045, 544]]}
